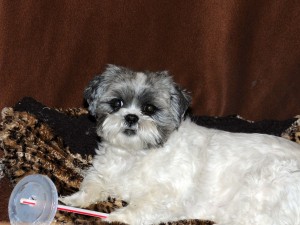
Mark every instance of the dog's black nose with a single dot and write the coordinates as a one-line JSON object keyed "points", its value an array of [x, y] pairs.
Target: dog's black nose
{"points": [[131, 119]]}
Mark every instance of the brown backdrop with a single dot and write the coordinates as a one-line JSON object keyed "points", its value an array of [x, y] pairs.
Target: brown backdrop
{"points": [[236, 57]]}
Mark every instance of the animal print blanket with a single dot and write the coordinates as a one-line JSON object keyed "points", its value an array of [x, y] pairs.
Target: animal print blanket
{"points": [[60, 144]]}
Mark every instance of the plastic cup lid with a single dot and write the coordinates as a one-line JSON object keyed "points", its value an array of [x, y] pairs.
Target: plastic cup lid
{"points": [[35, 187]]}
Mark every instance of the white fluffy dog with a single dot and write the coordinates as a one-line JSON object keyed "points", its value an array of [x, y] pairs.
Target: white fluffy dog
{"points": [[168, 168]]}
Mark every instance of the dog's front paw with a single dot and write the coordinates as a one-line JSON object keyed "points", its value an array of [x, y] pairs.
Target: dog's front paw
{"points": [[122, 216], [79, 199]]}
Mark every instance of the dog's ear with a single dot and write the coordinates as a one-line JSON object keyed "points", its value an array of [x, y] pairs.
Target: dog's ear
{"points": [[92, 92], [184, 100], [180, 102], [98, 86], [180, 98]]}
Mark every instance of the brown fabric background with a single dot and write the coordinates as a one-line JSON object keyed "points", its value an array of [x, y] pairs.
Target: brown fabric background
{"points": [[235, 56]]}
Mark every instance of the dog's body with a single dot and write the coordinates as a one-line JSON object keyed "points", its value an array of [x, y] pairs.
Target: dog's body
{"points": [[168, 168]]}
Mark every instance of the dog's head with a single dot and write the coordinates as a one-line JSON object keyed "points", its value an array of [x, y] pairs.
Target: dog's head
{"points": [[136, 110]]}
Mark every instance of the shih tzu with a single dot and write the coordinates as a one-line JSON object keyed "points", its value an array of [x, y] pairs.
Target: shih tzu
{"points": [[168, 168]]}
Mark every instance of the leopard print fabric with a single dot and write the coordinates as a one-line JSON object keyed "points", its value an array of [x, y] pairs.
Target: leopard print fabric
{"points": [[293, 133], [31, 147]]}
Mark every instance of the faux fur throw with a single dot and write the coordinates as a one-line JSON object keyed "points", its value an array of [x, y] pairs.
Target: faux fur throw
{"points": [[60, 144]]}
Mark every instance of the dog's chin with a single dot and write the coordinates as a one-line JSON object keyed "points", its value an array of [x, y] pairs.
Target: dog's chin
{"points": [[142, 137]]}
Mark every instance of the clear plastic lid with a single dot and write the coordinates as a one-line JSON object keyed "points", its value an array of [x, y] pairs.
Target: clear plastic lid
{"points": [[34, 187]]}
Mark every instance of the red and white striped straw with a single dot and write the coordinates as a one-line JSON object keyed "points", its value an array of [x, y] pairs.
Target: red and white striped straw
{"points": [[69, 209]]}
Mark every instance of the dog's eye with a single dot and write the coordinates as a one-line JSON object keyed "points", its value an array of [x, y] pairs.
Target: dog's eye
{"points": [[116, 104], [149, 109]]}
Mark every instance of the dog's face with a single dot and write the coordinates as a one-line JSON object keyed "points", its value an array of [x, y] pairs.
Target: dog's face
{"points": [[135, 110]]}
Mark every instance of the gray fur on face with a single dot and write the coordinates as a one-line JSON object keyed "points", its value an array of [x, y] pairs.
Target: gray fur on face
{"points": [[156, 90]]}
